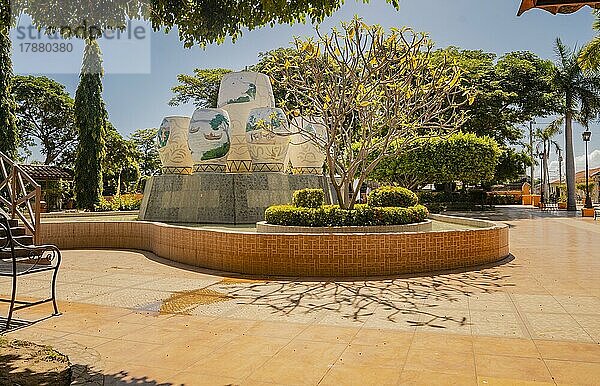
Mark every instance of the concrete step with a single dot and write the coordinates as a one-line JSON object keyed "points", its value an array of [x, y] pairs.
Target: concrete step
{"points": [[23, 240], [17, 231]]}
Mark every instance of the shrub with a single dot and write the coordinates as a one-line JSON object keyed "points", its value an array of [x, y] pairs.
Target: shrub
{"points": [[116, 203], [333, 215], [503, 199], [308, 198], [392, 196]]}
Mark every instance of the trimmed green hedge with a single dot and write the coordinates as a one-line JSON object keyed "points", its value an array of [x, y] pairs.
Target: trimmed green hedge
{"points": [[308, 198], [333, 215], [392, 196]]}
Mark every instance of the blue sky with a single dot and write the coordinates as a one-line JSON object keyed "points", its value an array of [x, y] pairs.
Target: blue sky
{"points": [[141, 100]]}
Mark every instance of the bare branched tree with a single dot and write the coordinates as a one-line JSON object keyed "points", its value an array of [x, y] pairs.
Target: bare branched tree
{"points": [[378, 93]]}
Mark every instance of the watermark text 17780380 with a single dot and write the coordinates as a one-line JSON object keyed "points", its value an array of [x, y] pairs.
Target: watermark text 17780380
{"points": [[126, 49]]}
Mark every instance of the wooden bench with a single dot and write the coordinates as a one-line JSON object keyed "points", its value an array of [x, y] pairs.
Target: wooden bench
{"points": [[18, 259]]}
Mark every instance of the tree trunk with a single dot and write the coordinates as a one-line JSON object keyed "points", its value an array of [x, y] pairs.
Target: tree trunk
{"points": [[118, 193], [570, 163]]}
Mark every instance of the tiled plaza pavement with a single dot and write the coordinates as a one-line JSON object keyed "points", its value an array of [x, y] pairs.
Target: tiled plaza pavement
{"points": [[128, 318]]}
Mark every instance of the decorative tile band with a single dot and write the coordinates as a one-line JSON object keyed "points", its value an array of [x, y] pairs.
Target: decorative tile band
{"points": [[325, 255], [263, 227]]}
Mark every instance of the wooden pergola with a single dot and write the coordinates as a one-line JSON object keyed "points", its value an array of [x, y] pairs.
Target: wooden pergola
{"points": [[556, 6]]}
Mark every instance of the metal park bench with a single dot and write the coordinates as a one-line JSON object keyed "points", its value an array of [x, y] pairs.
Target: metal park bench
{"points": [[19, 259], [596, 213]]}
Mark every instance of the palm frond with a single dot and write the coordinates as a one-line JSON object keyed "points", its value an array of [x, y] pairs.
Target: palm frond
{"points": [[589, 59], [563, 53]]}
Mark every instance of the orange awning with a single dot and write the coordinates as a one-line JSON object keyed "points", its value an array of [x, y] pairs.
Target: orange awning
{"points": [[555, 6]]}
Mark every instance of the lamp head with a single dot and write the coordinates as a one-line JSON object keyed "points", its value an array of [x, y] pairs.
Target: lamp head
{"points": [[587, 135]]}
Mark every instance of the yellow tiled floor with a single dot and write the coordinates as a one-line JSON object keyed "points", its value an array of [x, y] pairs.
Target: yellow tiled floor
{"points": [[532, 320]]}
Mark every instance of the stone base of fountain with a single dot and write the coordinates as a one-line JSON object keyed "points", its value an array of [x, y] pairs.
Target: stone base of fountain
{"points": [[221, 198]]}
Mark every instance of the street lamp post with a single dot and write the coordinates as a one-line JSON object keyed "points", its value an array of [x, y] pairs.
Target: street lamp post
{"points": [[541, 155], [587, 135], [560, 161]]}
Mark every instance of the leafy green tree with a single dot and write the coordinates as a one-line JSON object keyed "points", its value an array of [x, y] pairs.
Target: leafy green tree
{"points": [[461, 157], [120, 168], [509, 91], [201, 89], [580, 92], [91, 119], [145, 143], [45, 112], [8, 121]]}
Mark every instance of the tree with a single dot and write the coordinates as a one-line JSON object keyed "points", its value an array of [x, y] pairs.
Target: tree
{"points": [[545, 144], [148, 159], [508, 92], [378, 94], [201, 89], [45, 112], [580, 93], [460, 157], [8, 121], [91, 119], [511, 165], [589, 58], [275, 64], [120, 169]]}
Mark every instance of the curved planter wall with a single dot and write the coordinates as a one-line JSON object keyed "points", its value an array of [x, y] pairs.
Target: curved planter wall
{"points": [[325, 255]]}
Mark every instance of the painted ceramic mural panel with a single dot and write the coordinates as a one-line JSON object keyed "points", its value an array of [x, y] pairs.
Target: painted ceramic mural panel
{"points": [[238, 160], [246, 87], [268, 137], [172, 143], [305, 155], [209, 140]]}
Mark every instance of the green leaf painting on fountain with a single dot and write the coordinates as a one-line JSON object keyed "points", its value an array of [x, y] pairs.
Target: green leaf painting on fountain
{"points": [[218, 152]]}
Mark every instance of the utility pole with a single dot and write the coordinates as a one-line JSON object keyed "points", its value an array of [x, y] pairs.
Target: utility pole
{"points": [[560, 160]]}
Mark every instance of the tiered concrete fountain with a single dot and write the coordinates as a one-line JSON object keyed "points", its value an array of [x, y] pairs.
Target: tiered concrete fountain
{"points": [[227, 165]]}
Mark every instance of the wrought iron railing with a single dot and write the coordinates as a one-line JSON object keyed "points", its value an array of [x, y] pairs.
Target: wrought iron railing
{"points": [[20, 195]]}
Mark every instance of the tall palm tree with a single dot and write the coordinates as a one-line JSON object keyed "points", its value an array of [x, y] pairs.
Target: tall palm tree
{"points": [[589, 58], [547, 143], [580, 93]]}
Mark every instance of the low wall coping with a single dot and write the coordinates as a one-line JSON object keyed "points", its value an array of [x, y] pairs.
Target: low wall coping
{"points": [[424, 226]]}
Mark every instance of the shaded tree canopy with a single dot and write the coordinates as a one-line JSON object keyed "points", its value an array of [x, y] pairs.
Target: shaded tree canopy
{"points": [[45, 112], [198, 22]]}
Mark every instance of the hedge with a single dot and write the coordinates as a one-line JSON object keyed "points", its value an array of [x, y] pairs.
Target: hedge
{"points": [[333, 215], [119, 203], [308, 198], [392, 196]]}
